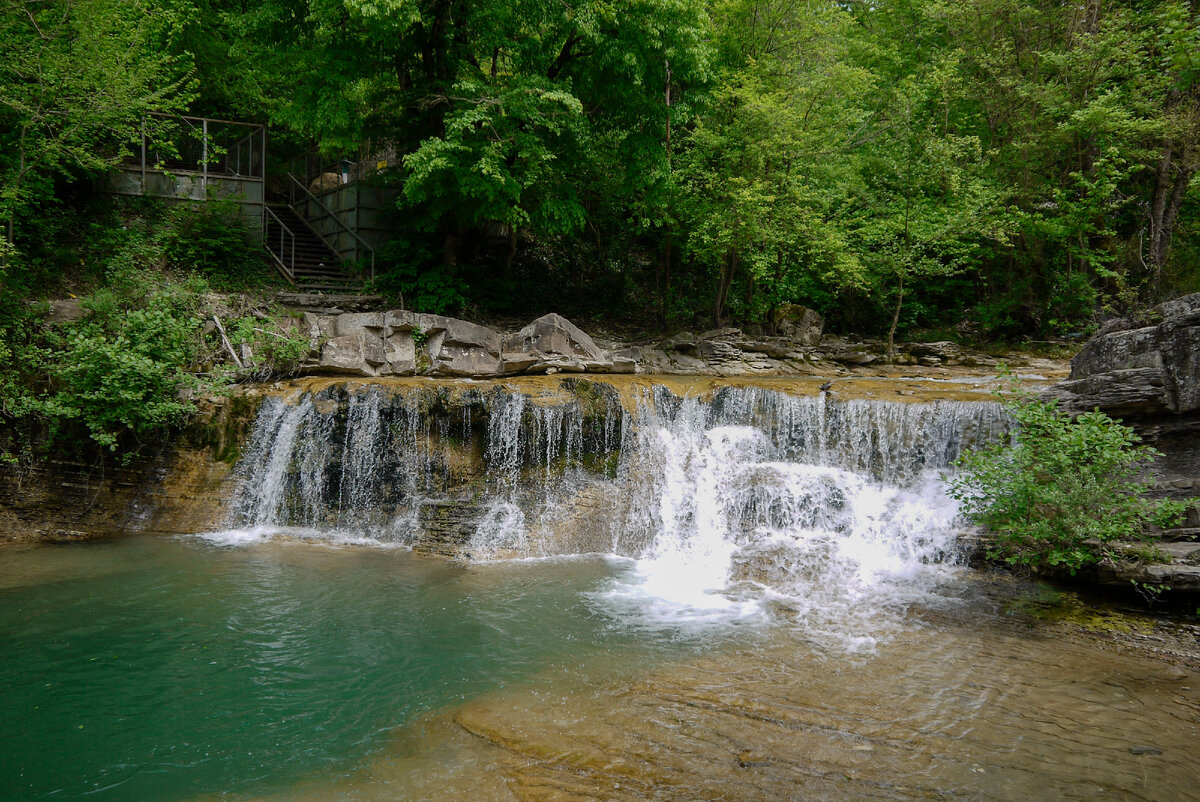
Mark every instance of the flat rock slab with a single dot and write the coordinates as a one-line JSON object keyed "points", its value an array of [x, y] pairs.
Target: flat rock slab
{"points": [[1181, 552]]}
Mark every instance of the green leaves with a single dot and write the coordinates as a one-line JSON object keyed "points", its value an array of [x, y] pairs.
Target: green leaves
{"points": [[497, 159], [1064, 491], [76, 76]]}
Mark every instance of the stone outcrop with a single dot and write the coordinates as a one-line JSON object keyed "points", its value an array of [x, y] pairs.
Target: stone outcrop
{"points": [[1146, 372], [402, 343], [552, 343], [1143, 370]]}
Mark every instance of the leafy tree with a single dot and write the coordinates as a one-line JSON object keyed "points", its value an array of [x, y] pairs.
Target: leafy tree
{"points": [[766, 167], [76, 78], [926, 201]]}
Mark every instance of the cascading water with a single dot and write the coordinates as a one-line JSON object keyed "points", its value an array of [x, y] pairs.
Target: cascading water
{"points": [[747, 504]]}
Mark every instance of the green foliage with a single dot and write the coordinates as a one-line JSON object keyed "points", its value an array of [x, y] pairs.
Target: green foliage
{"points": [[122, 372], [434, 288], [213, 239], [274, 343], [76, 76], [1024, 164], [1064, 491]]}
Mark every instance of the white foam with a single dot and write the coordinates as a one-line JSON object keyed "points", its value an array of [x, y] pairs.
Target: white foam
{"points": [[257, 535]]}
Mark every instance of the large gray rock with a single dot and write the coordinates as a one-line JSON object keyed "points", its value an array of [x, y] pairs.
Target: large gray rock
{"points": [[345, 355], [458, 348], [1149, 376], [401, 343], [800, 323], [320, 327], [1143, 371], [66, 311], [559, 344], [553, 335], [369, 323]]}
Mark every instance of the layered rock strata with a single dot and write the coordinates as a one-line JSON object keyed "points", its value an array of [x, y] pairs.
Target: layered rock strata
{"points": [[1146, 372]]}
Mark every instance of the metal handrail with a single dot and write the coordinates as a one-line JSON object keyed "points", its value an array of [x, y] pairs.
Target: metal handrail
{"points": [[288, 267], [337, 220]]}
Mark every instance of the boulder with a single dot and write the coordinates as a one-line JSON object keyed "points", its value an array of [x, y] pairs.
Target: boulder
{"points": [[370, 323], [559, 344], [66, 311], [325, 182], [374, 354], [725, 332], [554, 335], [1149, 376], [398, 342], [943, 351], [518, 362], [345, 355], [320, 327], [1147, 370], [626, 360], [458, 348], [800, 323]]}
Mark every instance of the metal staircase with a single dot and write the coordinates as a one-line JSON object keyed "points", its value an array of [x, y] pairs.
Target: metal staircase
{"points": [[302, 256]]}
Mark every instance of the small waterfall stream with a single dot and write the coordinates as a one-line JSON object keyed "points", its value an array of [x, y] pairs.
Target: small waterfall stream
{"points": [[726, 506]]}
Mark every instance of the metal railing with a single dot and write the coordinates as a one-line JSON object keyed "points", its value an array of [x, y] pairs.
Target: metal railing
{"points": [[349, 168], [285, 257], [296, 183]]}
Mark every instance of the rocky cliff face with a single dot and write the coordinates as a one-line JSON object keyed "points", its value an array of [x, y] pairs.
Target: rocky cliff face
{"points": [[1147, 372]]}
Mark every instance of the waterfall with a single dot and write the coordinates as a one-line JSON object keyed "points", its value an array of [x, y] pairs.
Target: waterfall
{"points": [[721, 502]]}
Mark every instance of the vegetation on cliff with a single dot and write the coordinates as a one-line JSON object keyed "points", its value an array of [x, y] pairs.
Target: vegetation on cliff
{"points": [[128, 361]]}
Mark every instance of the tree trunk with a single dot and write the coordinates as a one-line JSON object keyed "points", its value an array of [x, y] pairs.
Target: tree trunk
{"points": [[773, 311], [891, 344], [723, 288], [512, 251], [1170, 187], [665, 294]]}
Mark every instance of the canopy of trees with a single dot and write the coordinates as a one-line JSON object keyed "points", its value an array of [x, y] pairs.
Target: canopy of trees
{"points": [[1013, 167]]}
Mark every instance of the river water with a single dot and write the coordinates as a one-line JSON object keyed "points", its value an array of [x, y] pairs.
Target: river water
{"points": [[750, 596]]}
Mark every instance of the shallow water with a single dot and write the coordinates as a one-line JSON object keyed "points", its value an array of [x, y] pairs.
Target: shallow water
{"points": [[147, 668], [171, 668]]}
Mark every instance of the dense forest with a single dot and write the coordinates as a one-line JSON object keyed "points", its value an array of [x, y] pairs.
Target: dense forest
{"points": [[1010, 166]]}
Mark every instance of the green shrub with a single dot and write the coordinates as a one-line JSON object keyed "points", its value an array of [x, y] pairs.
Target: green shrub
{"points": [[274, 349], [213, 239], [124, 371], [1064, 491]]}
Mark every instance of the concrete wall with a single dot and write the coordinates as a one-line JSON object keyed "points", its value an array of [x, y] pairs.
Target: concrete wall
{"points": [[246, 192], [363, 208]]}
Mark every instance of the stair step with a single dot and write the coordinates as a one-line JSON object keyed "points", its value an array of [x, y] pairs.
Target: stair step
{"points": [[313, 265]]}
